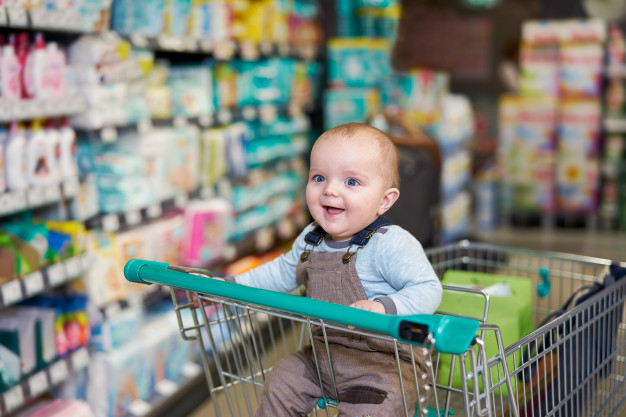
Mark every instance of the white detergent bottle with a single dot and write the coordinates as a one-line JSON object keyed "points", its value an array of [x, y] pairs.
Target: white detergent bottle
{"points": [[10, 74], [53, 144], [36, 85], [38, 163], [55, 71], [3, 143], [67, 164], [15, 157]]}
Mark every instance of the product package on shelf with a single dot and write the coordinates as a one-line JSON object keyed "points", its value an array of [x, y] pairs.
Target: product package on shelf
{"points": [[140, 367], [550, 134], [527, 154], [578, 157], [208, 225]]}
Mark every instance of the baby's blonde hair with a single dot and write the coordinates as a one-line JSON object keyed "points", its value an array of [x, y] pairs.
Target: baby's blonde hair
{"points": [[388, 151]]}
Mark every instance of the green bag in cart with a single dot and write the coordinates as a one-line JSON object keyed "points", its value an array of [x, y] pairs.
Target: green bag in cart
{"points": [[512, 313]]}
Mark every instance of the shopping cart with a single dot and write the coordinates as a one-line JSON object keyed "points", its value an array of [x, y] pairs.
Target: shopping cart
{"points": [[573, 364], [243, 332]]}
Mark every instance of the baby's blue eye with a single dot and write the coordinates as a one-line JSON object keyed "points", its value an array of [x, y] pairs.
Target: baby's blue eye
{"points": [[352, 182], [318, 178]]}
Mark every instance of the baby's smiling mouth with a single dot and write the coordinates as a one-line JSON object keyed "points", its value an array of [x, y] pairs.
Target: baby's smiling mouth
{"points": [[333, 210]]}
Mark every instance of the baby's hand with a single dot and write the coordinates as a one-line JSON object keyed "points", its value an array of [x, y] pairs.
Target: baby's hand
{"points": [[374, 306]]}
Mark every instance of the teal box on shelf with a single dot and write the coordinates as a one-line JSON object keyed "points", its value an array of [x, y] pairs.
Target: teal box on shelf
{"points": [[348, 105], [358, 62], [512, 312]]}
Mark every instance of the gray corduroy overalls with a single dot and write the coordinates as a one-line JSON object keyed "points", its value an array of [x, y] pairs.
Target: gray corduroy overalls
{"points": [[364, 373]]}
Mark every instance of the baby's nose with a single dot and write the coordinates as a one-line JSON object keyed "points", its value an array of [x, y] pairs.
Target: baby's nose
{"points": [[330, 189]]}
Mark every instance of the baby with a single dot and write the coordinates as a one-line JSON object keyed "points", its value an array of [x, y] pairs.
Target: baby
{"points": [[350, 255]]}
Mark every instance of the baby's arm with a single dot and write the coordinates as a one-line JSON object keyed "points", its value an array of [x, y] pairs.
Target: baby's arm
{"points": [[401, 261], [278, 274]]}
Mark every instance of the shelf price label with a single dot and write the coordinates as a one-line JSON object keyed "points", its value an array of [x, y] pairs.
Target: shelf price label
{"points": [[12, 292], [38, 384], [58, 372], [34, 283], [6, 203], [139, 408], [191, 369], [3, 16], [53, 193], [80, 359], [71, 187], [56, 275], [17, 16], [39, 18], [181, 200], [14, 398], [154, 211], [166, 388], [133, 218], [36, 197], [74, 267], [110, 223], [224, 116]]}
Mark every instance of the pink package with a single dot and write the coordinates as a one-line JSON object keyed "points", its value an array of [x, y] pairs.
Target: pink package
{"points": [[207, 225]]}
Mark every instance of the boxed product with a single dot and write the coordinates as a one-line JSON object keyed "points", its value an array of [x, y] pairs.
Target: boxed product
{"points": [[349, 105], [510, 308]]}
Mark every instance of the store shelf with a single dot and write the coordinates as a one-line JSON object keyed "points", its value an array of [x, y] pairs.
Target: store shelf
{"points": [[266, 113], [169, 394], [222, 50], [16, 201], [114, 222], [37, 282], [615, 125], [40, 382], [616, 71], [41, 109], [41, 19]]}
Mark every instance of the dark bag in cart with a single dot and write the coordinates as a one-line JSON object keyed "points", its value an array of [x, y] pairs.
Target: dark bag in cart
{"points": [[577, 353]]}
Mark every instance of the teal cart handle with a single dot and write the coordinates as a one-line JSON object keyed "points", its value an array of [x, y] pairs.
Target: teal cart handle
{"points": [[452, 334]]}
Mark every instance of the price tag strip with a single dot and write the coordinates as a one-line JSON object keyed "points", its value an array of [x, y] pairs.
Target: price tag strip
{"points": [[58, 371], [12, 292], [56, 275], [34, 283], [38, 384], [13, 398]]}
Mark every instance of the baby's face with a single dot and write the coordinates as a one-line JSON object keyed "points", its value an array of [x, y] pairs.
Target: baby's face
{"points": [[346, 189]]}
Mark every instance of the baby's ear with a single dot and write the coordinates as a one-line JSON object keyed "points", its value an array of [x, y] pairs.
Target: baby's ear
{"points": [[389, 198]]}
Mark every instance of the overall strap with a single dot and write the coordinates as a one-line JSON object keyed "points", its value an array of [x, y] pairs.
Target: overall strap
{"points": [[361, 238], [315, 236]]}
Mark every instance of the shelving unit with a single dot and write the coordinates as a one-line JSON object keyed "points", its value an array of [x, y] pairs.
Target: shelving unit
{"points": [[43, 380], [40, 281], [33, 197], [68, 23]]}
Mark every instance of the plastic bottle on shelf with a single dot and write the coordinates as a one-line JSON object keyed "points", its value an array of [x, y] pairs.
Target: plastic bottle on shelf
{"points": [[68, 167], [21, 45], [3, 142], [15, 157], [10, 73], [53, 146], [36, 79], [55, 71], [38, 162]]}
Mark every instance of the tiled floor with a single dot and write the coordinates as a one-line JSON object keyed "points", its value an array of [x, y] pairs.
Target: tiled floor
{"points": [[600, 244]]}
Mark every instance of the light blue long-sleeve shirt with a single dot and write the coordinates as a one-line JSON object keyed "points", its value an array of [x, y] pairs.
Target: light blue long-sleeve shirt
{"points": [[393, 268]]}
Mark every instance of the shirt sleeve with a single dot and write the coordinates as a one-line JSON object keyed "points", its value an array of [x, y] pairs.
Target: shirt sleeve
{"points": [[401, 262], [278, 274]]}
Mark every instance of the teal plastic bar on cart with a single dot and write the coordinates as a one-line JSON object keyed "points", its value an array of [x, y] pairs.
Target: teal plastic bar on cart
{"points": [[451, 334]]}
